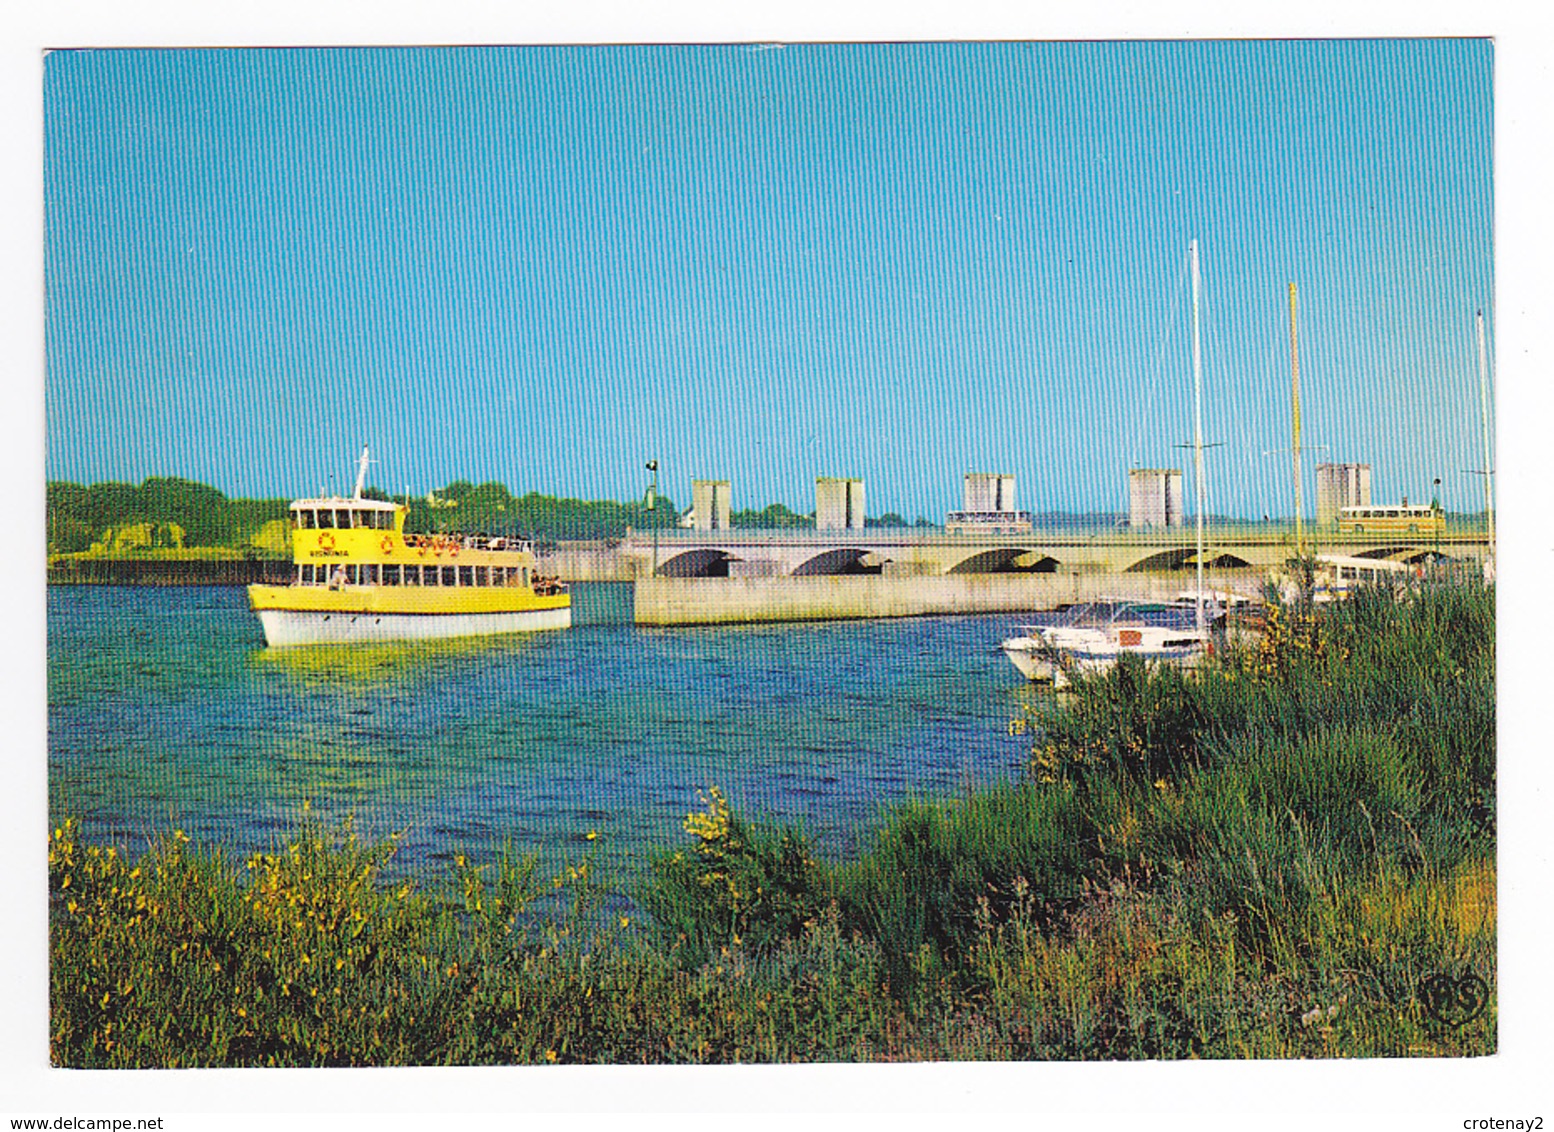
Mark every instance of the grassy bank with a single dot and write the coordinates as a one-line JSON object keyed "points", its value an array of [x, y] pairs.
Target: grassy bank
{"points": [[1269, 859]]}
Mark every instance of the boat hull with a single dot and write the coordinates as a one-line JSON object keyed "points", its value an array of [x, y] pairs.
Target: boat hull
{"points": [[1033, 660], [289, 627]]}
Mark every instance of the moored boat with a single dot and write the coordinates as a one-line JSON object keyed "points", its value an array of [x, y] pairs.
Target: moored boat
{"points": [[359, 576], [1093, 636]]}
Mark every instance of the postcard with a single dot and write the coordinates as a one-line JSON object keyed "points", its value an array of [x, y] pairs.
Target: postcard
{"points": [[769, 553]]}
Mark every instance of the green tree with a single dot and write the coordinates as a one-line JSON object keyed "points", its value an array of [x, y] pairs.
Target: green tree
{"points": [[199, 509], [774, 516]]}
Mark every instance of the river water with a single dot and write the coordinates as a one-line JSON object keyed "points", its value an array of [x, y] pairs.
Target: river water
{"points": [[167, 711]]}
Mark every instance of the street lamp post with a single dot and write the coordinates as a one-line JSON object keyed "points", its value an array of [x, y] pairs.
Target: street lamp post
{"points": [[652, 505], [1439, 519]]}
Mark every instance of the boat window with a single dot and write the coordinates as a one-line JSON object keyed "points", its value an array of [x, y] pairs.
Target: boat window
{"points": [[412, 575], [526, 575], [449, 576], [466, 576]]}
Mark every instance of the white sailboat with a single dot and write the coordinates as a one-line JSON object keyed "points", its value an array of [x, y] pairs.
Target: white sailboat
{"points": [[1092, 637]]}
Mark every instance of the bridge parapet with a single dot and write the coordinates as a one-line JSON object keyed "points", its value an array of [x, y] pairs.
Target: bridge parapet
{"points": [[922, 551]]}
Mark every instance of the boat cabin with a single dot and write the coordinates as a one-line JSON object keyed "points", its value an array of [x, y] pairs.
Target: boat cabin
{"points": [[346, 514]]}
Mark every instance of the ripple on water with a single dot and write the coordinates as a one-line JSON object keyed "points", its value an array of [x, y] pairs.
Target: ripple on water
{"points": [[162, 704]]}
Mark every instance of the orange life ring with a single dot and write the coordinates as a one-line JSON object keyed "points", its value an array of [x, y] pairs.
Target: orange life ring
{"points": [[326, 541], [387, 545], [453, 551]]}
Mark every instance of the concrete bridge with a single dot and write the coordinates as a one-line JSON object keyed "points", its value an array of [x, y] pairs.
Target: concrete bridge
{"points": [[918, 552]]}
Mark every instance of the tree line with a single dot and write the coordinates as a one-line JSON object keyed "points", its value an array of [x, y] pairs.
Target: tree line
{"points": [[187, 514], [79, 517], [184, 513]]}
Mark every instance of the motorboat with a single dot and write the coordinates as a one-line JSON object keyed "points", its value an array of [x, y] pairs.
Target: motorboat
{"points": [[1092, 636]]}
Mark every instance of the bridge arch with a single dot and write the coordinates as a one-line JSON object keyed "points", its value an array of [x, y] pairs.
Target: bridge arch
{"points": [[1186, 558], [1179, 558], [1410, 554], [1006, 560], [697, 564], [843, 560]]}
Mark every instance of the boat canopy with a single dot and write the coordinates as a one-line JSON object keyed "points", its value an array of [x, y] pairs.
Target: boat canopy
{"points": [[337, 513], [1111, 611]]}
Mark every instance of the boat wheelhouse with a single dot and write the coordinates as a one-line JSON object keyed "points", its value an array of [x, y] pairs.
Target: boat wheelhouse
{"points": [[359, 576]]}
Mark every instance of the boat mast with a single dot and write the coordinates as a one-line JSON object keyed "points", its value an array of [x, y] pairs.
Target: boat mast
{"points": [[1489, 466], [1197, 426], [361, 475], [1295, 405]]}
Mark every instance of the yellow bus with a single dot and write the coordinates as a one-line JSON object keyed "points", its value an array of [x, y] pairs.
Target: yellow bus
{"points": [[1395, 519]]}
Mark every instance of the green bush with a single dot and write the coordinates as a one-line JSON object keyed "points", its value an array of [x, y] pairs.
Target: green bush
{"points": [[1146, 722], [935, 870], [739, 885]]}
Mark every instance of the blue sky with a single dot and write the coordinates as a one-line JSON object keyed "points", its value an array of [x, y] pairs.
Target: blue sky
{"points": [[905, 262]]}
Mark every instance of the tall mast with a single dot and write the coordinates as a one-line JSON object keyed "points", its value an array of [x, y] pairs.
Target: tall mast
{"points": [[361, 475], [1295, 408], [1489, 465], [1197, 425]]}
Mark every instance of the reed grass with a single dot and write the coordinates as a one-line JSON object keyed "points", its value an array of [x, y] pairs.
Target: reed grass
{"points": [[1266, 859]]}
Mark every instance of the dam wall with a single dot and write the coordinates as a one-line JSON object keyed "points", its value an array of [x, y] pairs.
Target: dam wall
{"points": [[720, 601]]}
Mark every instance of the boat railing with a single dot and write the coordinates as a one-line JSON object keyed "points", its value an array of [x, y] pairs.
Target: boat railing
{"points": [[468, 542]]}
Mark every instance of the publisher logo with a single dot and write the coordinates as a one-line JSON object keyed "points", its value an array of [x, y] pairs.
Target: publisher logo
{"points": [[1454, 1000]]}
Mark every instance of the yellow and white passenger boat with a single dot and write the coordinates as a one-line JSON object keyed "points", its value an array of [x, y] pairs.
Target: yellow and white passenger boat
{"points": [[360, 577]]}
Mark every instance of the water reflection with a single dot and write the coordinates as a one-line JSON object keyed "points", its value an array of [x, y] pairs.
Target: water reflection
{"points": [[536, 737]]}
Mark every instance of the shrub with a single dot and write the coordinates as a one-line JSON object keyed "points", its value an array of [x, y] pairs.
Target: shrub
{"points": [[739, 885], [934, 868], [1146, 722]]}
